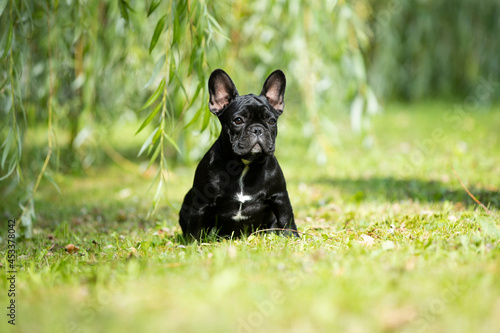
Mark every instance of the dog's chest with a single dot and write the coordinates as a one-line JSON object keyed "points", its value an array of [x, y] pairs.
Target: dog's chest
{"points": [[244, 200]]}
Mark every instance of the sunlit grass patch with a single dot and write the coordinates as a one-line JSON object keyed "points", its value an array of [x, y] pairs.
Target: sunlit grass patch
{"points": [[382, 249]]}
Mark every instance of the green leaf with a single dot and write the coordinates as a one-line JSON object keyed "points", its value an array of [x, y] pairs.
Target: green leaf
{"points": [[150, 117], [3, 84], [52, 181], [218, 29], [154, 179], [158, 66], [171, 70], [158, 30], [153, 6], [3, 4], [195, 96], [193, 57], [194, 120], [126, 4], [173, 143], [155, 95], [123, 9], [214, 22], [148, 141], [155, 155], [206, 119], [9, 40], [179, 81], [6, 147], [157, 135], [13, 167]]}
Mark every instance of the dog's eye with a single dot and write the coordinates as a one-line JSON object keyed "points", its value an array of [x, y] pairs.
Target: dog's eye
{"points": [[238, 121], [271, 121]]}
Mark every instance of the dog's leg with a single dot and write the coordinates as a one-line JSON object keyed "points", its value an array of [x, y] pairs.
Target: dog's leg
{"points": [[282, 209]]}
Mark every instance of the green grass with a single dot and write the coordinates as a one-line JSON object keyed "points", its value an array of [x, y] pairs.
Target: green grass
{"points": [[393, 242]]}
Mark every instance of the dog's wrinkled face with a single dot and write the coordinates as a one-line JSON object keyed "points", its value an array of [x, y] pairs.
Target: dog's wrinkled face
{"points": [[252, 126], [249, 121]]}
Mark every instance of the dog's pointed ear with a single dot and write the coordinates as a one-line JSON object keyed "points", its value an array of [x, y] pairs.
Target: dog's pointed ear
{"points": [[274, 90], [222, 91]]}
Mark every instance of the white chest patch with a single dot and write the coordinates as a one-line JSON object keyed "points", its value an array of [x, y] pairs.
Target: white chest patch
{"points": [[241, 197], [238, 217]]}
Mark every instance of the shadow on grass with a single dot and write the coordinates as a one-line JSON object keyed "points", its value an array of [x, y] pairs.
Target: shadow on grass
{"points": [[392, 189]]}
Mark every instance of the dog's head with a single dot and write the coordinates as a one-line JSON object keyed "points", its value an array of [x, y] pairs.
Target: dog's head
{"points": [[250, 122]]}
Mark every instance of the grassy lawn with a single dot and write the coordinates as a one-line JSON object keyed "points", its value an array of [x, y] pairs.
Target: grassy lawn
{"points": [[392, 243]]}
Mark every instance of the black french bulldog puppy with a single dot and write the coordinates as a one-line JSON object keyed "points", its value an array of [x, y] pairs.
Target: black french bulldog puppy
{"points": [[239, 186]]}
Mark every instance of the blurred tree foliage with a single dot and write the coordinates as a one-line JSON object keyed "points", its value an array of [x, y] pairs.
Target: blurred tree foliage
{"points": [[73, 68], [422, 49], [76, 67]]}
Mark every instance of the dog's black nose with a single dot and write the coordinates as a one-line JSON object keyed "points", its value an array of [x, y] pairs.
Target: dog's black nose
{"points": [[257, 131]]}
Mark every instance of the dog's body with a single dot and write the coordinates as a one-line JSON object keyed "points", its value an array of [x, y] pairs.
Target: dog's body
{"points": [[239, 186]]}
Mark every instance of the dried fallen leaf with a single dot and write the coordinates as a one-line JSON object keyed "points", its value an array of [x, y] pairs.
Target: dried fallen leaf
{"points": [[160, 233], [71, 248], [410, 263], [367, 240], [232, 252], [132, 253], [395, 319]]}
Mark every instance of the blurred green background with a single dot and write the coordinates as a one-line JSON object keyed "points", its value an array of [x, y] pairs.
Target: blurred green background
{"points": [[102, 100], [78, 78]]}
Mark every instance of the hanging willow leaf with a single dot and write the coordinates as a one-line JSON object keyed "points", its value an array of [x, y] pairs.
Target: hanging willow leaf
{"points": [[148, 141], [4, 82], [171, 69], [194, 120], [160, 26], [48, 176], [153, 6], [155, 155], [123, 9], [9, 40], [157, 136], [206, 119], [197, 92], [158, 66], [3, 3], [172, 142], [127, 5], [150, 117], [6, 147], [155, 95], [12, 167]]}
